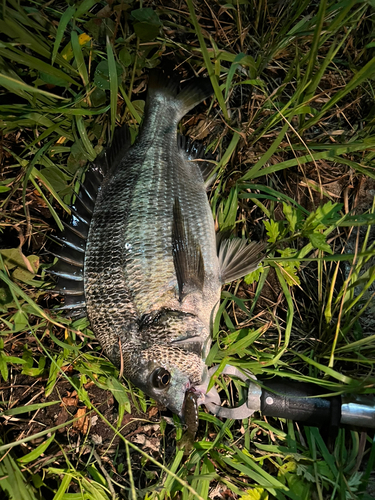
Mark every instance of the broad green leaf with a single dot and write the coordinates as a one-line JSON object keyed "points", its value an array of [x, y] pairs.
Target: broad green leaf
{"points": [[119, 392], [6, 297], [27, 274], [273, 230], [148, 24], [292, 215], [20, 321], [126, 57], [102, 78], [318, 240], [256, 493], [56, 178], [254, 276]]}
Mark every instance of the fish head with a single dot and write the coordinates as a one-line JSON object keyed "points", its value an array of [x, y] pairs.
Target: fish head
{"points": [[167, 373]]}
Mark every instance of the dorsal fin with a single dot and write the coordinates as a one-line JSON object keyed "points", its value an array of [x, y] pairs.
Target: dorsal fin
{"points": [[187, 255], [70, 244], [120, 144], [195, 150]]}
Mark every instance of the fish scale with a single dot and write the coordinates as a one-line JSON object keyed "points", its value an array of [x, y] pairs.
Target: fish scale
{"points": [[152, 272], [151, 243]]}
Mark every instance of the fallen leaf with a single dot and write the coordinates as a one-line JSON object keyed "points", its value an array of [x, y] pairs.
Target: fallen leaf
{"points": [[152, 412], [69, 401], [82, 424]]}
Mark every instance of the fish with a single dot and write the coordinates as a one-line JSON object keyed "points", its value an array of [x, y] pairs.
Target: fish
{"points": [[141, 256]]}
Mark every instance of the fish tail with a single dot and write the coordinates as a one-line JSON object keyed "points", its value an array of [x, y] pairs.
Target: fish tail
{"points": [[190, 96]]}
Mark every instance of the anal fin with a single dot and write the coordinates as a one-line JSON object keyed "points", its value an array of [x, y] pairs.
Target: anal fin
{"points": [[187, 255]]}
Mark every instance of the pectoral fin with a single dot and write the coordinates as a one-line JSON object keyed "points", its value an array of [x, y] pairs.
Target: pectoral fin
{"points": [[187, 255], [237, 258]]}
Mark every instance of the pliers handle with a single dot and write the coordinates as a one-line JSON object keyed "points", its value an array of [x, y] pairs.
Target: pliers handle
{"points": [[303, 402]]}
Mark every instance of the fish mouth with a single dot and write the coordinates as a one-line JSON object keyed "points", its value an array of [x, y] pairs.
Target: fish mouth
{"points": [[199, 390], [205, 397]]}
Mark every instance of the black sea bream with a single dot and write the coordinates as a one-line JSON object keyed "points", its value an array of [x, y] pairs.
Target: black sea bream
{"points": [[150, 273]]}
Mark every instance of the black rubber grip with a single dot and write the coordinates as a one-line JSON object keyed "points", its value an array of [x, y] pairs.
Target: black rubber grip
{"points": [[292, 400]]}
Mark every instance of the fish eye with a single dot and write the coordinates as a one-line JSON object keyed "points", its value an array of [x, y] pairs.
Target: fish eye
{"points": [[161, 378]]}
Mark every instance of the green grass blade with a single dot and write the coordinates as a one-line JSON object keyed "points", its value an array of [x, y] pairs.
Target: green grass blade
{"points": [[64, 485], [207, 60], [220, 167], [313, 51], [13, 482], [33, 62], [84, 7], [289, 315], [85, 138], [37, 452], [64, 21], [80, 60], [130, 106], [331, 152], [232, 70], [325, 369], [35, 173], [15, 85], [365, 73], [113, 82], [253, 171], [28, 408]]}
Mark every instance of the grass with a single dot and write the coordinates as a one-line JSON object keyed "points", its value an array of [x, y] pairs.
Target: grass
{"points": [[292, 121]]}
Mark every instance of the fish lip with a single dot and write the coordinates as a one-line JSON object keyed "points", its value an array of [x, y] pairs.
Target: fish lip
{"points": [[200, 389]]}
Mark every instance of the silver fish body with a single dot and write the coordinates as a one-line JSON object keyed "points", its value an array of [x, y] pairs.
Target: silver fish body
{"points": [[151, 274], [136, 308]]}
